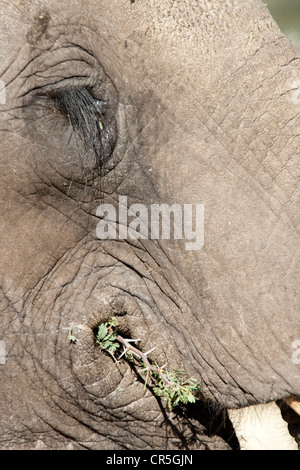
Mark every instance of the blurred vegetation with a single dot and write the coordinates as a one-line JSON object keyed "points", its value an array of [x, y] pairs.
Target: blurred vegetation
{"points": [[286, 13]]}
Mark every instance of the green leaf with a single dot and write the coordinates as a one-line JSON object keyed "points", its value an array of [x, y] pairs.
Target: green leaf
{"points": [[114, 347], [191, 398], [113, 322], [102, 331]]}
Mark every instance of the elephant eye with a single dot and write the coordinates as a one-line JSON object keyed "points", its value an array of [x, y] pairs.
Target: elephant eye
{"points": [[89, 117]]}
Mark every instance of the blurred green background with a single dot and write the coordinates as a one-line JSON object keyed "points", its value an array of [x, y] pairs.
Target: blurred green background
{"points": [[287, 15]]}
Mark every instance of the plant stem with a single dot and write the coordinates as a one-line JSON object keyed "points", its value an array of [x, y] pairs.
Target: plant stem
{"points": [[143, 357]]}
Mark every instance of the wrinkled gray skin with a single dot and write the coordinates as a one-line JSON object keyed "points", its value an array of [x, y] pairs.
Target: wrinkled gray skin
{"points": [[201, 94]]}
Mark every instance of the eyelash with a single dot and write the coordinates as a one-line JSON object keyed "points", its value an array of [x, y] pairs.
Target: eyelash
{"points": [[83, 111], [93, 120], [79, 105]]}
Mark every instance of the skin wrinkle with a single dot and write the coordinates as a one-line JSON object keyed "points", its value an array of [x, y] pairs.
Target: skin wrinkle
{"points": [[110, 418], [44, 279], [243, 68], [107, 414], [88, 397], [179, 331], [175, 270], [64, 434], [248, 346], [165, 288], [47, 68], [248, 371], [179, 308], [52, 185], [253, 177], [282, 129], [57, 404], [188, 342]]}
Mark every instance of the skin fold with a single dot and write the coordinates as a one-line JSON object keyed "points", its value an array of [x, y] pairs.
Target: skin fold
{"points": [[176, 101]]}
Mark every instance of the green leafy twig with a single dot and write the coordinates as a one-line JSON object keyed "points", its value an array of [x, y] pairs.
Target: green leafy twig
{"points": [[171, 386], [107, 337]]}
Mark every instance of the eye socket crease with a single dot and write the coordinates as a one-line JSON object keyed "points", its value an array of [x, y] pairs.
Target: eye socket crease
{"points": [[84, 112]]}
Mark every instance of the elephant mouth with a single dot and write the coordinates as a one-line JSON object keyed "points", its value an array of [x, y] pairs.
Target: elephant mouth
{"points": [[294, 403]]}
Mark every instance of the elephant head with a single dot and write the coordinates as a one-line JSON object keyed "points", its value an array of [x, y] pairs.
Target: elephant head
{"points": [[184, 105]]}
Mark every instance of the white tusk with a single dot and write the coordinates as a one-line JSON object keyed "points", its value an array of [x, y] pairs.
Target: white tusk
{"points": [[261, 427]]}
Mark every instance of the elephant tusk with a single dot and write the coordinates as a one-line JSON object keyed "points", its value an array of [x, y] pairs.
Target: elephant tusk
{"points": [[294, 403], [261, 427]]}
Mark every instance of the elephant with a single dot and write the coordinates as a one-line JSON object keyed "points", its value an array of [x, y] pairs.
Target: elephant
{"points": [[170, 105]]}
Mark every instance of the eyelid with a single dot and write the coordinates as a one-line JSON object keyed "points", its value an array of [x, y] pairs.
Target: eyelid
{"points": [[59, 63], [57, 86]]}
